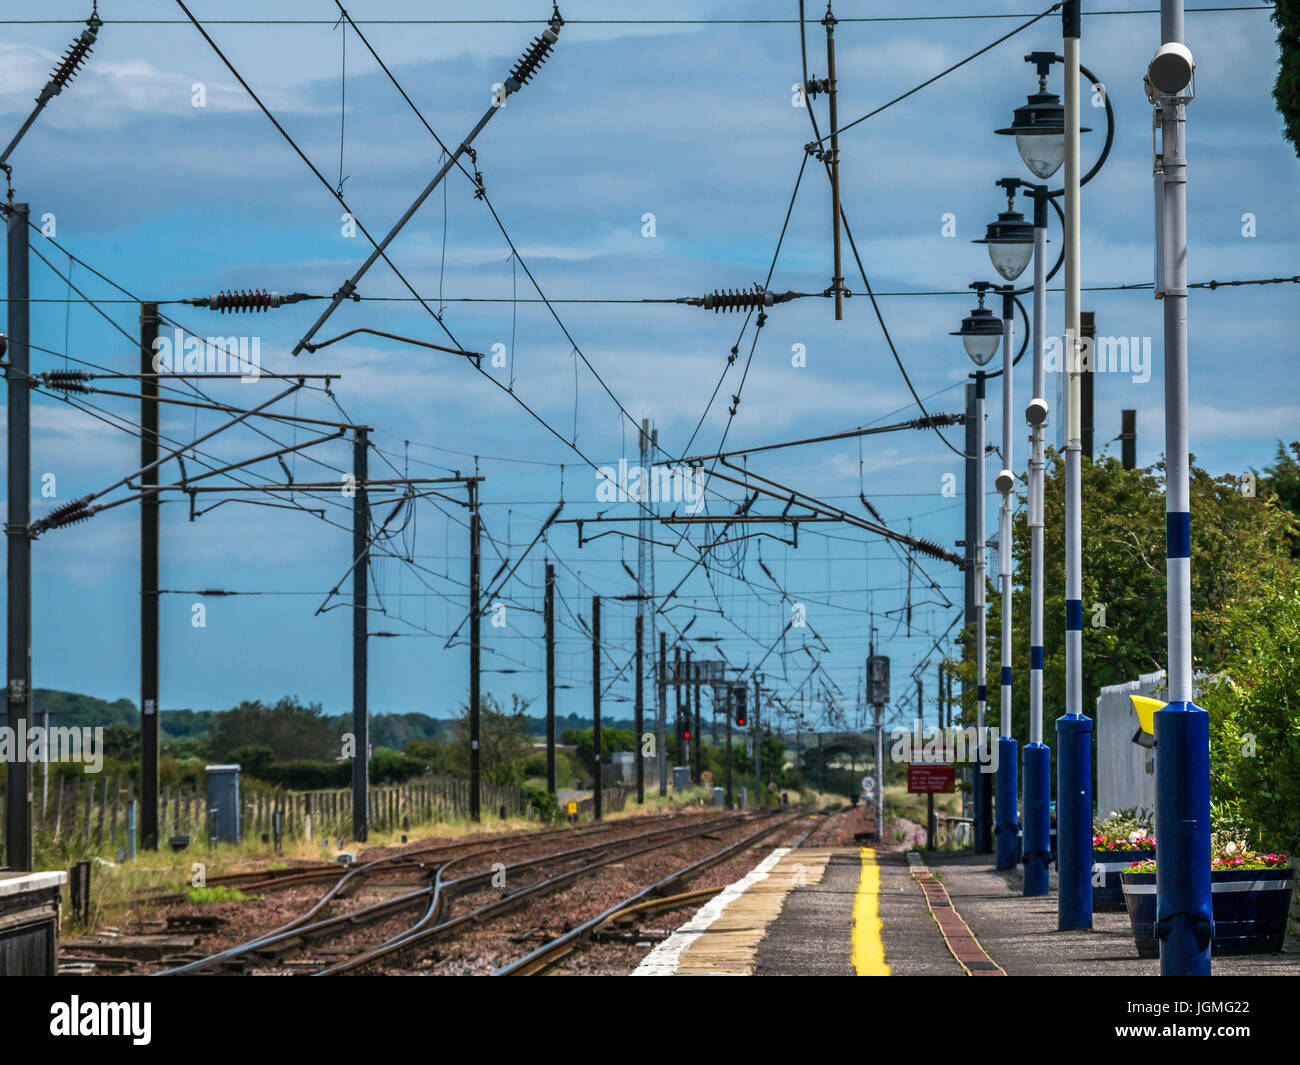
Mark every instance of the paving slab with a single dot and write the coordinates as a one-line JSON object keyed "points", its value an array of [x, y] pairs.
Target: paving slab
{"points": [[1021, 934]]}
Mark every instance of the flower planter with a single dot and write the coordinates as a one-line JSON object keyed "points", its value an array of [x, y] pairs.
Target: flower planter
{"points": [[1109, 893], [1250, 909]]}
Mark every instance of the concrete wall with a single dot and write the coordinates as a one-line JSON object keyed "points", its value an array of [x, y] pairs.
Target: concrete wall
{"points": [[1125, 772]]}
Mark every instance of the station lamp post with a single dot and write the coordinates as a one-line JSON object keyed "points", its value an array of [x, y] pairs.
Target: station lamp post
{"points": [[1007, 249], [1047, 137], [981, 335], [1184, 909]]}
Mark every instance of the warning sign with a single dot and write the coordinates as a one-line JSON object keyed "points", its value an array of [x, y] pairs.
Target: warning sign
{"points": [[925, 778]]}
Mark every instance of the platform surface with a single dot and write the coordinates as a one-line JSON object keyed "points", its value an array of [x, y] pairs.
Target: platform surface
{"points": [[846, 911]]}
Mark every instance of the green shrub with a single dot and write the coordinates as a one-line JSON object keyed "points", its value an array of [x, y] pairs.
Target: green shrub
{"points": [[306, 774], [201, 896], [388, 766], [542, 803], [252, 758]]}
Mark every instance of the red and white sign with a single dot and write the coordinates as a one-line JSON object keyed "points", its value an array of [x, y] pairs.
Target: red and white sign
{"points": [[926, 778]]}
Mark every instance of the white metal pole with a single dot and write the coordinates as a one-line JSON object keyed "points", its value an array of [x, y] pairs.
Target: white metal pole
{"points": [[1008, 782], [1074, 728], [1036, 756], [1037, 466], [1004, 513], [1184, 908], [1073, 401]]}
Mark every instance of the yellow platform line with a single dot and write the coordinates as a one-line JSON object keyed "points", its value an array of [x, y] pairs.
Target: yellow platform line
{"points": [[868, 946]]}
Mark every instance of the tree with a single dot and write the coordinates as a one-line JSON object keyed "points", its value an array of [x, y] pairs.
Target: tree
{"points": [[252, 758], [120, 741], [504, 742], [432, 753], [1286, 90], [1281, 483], [290, 729], [1254, 709], [612, 740], [1235, 539]]}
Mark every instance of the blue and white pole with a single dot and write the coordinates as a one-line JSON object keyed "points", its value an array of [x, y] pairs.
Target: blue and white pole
{"points": [[1184, 912], [1037, 757], [1008, 814], [1073, 728]]}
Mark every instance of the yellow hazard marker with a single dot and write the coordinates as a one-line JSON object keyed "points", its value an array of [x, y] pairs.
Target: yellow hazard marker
{"points": [[1146, 711], [868, 947]]}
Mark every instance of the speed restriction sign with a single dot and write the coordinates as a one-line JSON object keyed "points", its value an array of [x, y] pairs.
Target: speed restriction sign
{"points": [[869, 785]]}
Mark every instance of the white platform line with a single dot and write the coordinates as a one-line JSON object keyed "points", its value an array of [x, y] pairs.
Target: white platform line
{"points": [[664, 959]]}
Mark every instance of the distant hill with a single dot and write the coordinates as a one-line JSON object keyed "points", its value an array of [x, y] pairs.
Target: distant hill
{"points": [[72, 709]]}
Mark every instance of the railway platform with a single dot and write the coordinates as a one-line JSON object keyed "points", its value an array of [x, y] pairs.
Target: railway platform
{"points": [[844, 911]]}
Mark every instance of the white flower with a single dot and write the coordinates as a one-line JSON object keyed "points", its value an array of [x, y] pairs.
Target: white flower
{"points": [[1133, 837], [1231, 848]]}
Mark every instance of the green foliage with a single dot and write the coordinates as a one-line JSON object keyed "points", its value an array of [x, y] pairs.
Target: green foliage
{"points": [[1255, 708], [201, 896], [714, 760], [120, 741], [432, 754], [542, 803], [612, 740], [307, 774], [1132, 828], [181, 750], [388, 766], [1235, 540], [253, 758], [289, 729], [73, 710], [187, 724], [1286, 90], [568, 769], [1280, 484], [398, 730], [504, 742]]}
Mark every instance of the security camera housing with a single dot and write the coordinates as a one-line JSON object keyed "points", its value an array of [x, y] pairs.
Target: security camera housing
{"points": [[1170, 69]]}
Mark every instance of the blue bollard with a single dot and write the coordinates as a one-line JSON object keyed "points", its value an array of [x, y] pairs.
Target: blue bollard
{"points": [[1074, 821], [986, 814], [1008, 823], [1184, 907], [1038, 823]]}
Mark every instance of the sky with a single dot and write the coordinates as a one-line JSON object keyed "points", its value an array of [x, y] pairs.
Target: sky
{"points": [[693, 122]]}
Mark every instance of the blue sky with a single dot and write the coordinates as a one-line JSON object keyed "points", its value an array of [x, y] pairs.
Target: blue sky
{"points": [[692, 123]]}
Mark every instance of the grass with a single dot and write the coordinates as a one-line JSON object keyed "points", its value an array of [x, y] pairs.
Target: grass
{"points": [[204, 895], [899, 803], [116, 886]]}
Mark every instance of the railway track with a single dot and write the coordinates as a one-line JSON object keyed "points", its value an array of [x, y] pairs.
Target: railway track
{"points": [[281, 879], [648, 900], [388, 869], [435, 888], [437, 923]]}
